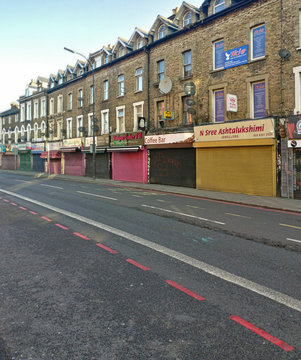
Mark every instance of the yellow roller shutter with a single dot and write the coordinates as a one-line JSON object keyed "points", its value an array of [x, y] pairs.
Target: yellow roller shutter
{"points": [[241, 169]]}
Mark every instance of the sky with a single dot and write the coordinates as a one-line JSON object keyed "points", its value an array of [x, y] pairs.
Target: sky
{"points": [[33, 34]]}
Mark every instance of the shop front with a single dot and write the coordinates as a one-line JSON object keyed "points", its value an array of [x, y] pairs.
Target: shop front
{"points": [[73, 162], [172, 159], [129, 157], [24, 151], [102, 157], [38, 163], [10, 158], [293, 171], [53, 156], [237, 156]]}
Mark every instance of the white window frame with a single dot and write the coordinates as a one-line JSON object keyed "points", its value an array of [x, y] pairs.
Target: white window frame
{"points": [[60, 104], [43, 127], [90, 131], [43, 107], [253, 28], [299, 30], [36, 109], [219, 4], [139, 79], [214, 45], [79, 123], [91, 94], [16, 134], [28, 130], [136, 114], [51, 106], [81, 98], [105, 116], [69, 128], [69, 101], [35, 131], [186, 64], [297, 73], [22, 111], [120, 129], [161, 74], [106, 90], [187, 19], [28, 110], [162, 31], [121, 85]]}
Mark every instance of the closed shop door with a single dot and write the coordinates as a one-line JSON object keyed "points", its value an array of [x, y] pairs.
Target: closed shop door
{"points": [[74, 164], [25, 161], [129, 166], [8, 162], [38, 164], [246, 169], [102, 165], [173, 167], [55, 166]]}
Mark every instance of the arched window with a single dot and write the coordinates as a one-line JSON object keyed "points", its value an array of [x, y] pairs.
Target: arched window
{"points": [[22, 132], [219, 5], [43, 128], [36, 131], [162, 32], [16, 134], [187, 18]]}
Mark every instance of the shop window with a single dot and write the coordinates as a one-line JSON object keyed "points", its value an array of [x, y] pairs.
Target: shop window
{"points": [[218, 55], [219, 106], [258, 100], [258, 42]]}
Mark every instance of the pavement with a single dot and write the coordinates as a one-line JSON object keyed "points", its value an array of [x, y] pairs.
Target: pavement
{"points": [[277, 203]]}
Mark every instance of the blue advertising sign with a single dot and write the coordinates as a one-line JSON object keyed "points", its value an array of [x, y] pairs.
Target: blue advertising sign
{"points": [[258, 43], [236, 57], [219, 99], [2, 148], [259, 100], [219, 54]]}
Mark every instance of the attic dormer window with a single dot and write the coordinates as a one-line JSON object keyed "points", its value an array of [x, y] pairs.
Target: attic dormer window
{"points": [[162, 32], [219, 5], [106, 58], [139, 43], [187, 18], [52, 84], [60, 80], [121, 52]]}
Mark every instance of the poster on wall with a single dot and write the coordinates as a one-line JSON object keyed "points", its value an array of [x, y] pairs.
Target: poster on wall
{"points": [[294, 127], [236, 57], [258, 48], [219, 55], [219, 106], [259, 100]]}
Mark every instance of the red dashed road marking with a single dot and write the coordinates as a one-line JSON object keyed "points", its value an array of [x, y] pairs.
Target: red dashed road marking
{"points": [[262, 333], [186, 291], [22, 208], [45, 218], [14, 204], [107, 249], [62, 227], [133, 262], [33, 213], [81, 236]]}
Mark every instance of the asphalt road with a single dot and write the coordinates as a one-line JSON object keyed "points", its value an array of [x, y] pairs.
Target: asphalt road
{"points": [[105, 272]]}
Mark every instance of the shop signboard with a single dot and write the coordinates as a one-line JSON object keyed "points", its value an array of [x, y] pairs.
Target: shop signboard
{"points": [[236, 130], [54, 145], [169, 139], [2, 148], [294, 127], [102, 140], [24, 147], [37, 147], [231, 103], [236, 57], [71, 143], [128, 139]]}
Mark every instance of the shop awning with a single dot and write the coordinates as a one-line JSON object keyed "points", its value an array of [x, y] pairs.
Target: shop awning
{"points": [[69, 149], [124, 148], [54, 154]]}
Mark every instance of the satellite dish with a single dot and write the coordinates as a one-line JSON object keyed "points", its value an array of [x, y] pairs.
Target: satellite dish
{"points": [[165, 85], [284, 53]]}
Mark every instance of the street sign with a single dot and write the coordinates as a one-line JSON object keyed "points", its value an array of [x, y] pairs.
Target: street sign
{"points": [[168, 115]]}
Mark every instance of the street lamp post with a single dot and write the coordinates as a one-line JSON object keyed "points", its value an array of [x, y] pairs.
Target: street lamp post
{"points": [[93, 101]]}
